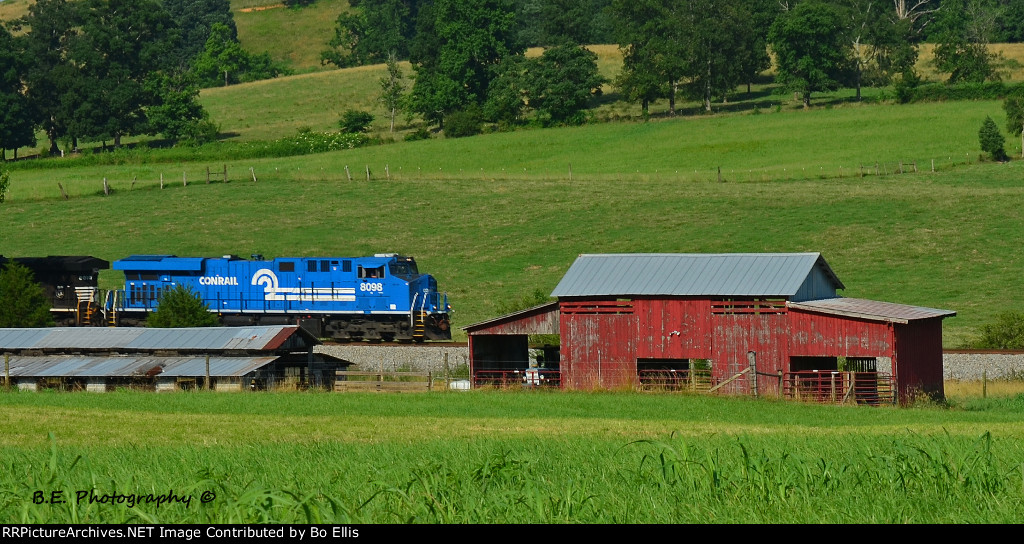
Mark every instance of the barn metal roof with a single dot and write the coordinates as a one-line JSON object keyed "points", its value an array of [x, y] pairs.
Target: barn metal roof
{"points": [[65, 366], [697, 274], [142, 339], [871, 309]]}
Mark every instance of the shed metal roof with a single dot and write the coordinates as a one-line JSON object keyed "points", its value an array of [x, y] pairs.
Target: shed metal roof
{"points": [[66, 366], [142, 339], [871, 309], [694, 274]]}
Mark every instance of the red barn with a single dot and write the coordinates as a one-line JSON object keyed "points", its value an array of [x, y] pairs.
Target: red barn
{"points": [[752, 323]]}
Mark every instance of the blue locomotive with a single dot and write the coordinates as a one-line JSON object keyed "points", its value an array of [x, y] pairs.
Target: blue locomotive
{"points": [[383, 297]]}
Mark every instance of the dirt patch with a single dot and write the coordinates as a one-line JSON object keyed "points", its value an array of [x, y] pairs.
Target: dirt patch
{"points": [[261, 8]]}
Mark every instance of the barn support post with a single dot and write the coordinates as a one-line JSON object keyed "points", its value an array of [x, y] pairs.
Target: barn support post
{"points": [[7, 371], [206, 385], [752, 359], [780, 384]]}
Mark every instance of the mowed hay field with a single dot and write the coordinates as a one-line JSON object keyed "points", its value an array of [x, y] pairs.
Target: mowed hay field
{"points": [[505, 457]]}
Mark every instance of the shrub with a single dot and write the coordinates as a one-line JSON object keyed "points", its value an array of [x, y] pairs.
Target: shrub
{"points": [[5, 182], [467, 122], [355, 121], [181, 307], [1006, 333], [418, 134], [23, 302], [992, 140]]}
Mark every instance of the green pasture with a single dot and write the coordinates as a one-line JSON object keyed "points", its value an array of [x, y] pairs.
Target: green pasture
{"points": [[294, 37], [507, 457], [497, 216]]}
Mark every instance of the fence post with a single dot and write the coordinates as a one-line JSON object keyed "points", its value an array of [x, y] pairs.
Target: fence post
{"points": [[161, 180], [106, 188], [207, 175], [752, 359], [253, 172]]}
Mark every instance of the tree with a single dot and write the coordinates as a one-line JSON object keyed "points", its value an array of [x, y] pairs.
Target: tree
{"points": [[458, 45], [23, 302], [180, 306], [194, 20], [643, 77], [223, 60], [563, 81], [810, 52], [222, 55], [16, 115], [53, 25], [1014, 107], [372, 32], [355, 121], [965, 27], [392, 90], [717, 35], [122, 42], [992, 140], [179, 116]]}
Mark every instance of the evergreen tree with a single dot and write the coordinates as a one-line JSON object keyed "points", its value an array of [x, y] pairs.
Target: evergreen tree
{"points": [[992, 140], [23, 302], [180, 306]]}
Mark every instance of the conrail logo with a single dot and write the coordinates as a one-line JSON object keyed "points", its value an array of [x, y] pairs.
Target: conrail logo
{"points": [[217, 280]]}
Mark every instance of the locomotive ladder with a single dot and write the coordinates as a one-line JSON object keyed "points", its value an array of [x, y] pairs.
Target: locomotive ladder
{"points": [[86, 309], [419, 318], [112, 303]]}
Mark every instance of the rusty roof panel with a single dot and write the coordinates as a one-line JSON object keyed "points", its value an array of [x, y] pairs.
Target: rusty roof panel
{"points": [[144, 339], [67, 366], [871, 309]]}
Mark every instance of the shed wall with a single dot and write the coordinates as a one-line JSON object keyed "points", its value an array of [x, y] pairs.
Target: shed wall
{"points": [[918, 366], [818, 335]]}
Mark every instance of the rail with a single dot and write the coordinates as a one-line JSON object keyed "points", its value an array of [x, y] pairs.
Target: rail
{"points": [[355, 380], [837, 387], [530, 377], [674, 380]]}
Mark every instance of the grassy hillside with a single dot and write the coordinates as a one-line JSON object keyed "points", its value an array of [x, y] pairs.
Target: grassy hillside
{"points": [[294, 37], [496, 216]]}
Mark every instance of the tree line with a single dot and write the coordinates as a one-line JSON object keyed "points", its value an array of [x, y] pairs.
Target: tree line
{"points": [[100, 70], [468, 56]]}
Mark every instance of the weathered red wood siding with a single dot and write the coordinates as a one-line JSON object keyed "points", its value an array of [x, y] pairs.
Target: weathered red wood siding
{"points": [[598, 345], [918, 365], [735, 335], [820, 335], [673, 328]]}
